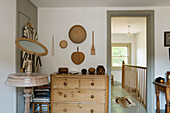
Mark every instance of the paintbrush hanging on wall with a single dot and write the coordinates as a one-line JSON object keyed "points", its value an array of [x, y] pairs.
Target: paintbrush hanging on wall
{"points": [[93, 49], [52, 48]]}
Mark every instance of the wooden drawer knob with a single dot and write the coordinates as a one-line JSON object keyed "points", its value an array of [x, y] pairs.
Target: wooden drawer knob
{"points": [[92, 111], [92, 96], [92, 83], [64, 110], [65, 96], [65, 83]]}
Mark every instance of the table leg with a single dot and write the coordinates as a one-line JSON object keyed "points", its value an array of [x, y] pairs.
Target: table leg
{"points": [[27, 95], [167, 100], [157, 100], [40, 108], [48, 108], [33, 108]]}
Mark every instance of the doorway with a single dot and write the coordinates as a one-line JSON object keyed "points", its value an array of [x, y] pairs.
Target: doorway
{"points": [[128, 38], [150, 48]]}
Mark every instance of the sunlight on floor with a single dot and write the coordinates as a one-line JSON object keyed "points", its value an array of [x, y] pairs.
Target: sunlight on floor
{"points": [[117, 91]]}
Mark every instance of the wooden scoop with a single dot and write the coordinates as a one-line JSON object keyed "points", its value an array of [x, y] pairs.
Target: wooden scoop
{"points": [[77, 57], [93, 49]]}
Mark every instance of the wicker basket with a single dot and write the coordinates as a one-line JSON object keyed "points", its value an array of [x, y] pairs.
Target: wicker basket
{"points": [[77, 34]]}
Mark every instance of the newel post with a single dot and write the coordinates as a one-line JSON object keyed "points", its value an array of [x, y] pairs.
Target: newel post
{"points": [[123, 75]]}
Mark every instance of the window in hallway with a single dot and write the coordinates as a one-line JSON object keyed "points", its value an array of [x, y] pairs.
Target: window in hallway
{"points": [[120, 52]]}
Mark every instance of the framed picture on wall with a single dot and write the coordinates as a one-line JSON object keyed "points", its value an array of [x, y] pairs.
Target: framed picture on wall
{"points": [[167, 38]]}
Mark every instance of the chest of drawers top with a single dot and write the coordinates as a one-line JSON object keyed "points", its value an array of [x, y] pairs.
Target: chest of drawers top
{"points": [[78, 81], [79, 75]]}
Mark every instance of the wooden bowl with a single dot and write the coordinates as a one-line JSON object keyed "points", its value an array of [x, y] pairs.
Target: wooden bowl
{"points": [[91, 70]]}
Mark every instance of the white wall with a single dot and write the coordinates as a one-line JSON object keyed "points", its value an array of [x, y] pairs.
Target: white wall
{"points": [[57, 22], [122, 38], [162, 63], [141, 49], [7, 57]]}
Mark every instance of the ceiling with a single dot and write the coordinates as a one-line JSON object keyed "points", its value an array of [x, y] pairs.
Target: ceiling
{"points": [[100, 3], [120, 25]]}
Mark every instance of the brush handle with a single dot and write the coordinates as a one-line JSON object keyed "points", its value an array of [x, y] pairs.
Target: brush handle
{"points": [[92, 49], [92, 39], [77, 48], [52, 49]]}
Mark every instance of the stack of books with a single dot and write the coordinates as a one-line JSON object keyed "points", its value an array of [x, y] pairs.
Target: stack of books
{"points": [[42, 94]]}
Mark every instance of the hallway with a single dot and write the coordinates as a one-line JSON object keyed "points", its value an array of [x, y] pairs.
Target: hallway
{"points": [[117, 91]]}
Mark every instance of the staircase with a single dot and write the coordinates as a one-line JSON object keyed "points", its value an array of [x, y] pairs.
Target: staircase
{"points": [[134, 82]]}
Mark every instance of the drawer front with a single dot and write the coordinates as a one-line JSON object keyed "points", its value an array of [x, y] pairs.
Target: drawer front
{"points": [[92, 83], [78, 108], [79, 96], [65, 82]]}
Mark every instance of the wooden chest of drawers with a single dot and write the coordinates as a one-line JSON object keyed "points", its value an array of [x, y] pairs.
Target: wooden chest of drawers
{"points": [[79, 93]]}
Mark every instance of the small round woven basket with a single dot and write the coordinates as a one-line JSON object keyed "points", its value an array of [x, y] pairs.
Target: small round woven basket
{"points": [[63, 44], [77, 34]]}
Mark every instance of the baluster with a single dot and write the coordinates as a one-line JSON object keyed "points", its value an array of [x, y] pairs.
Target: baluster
{"points": [[123, 75], [134, 81]]}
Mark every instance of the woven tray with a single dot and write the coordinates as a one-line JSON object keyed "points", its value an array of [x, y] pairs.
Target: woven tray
{"points": [[77, 34], [77, 57]]}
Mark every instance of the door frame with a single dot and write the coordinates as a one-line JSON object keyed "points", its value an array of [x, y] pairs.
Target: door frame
{"points": [[149, 14]]}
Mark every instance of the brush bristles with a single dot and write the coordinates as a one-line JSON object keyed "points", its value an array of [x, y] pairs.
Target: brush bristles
{"points": [[93, 52]]}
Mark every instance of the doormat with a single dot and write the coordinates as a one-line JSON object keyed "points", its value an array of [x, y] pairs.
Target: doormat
{"points": [[123, 101]]}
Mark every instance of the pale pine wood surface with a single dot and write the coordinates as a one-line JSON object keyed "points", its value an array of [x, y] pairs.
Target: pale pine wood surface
{"points": [[78, 108], [92, 83], [65, 83], [79, 93]]}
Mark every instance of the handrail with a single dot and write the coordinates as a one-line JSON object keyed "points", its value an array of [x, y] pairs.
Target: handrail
{"points": [[123, 71], [135, 66]]}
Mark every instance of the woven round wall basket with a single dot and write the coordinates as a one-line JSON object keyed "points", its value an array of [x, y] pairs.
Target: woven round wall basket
{"points": [[63, 44], [77, 34]]}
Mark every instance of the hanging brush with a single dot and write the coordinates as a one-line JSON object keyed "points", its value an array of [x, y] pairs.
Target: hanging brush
{"points": [[93, 49], [52, 48]]}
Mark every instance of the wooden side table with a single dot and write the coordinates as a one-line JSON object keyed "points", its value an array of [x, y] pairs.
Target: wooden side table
{"points": [[166, 89]]}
